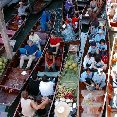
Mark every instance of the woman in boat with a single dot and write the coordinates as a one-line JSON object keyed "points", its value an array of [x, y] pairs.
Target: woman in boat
{"points": [[88, 61], [102, 47], [30, 51], [29, 107], [93, 5], [49, 61], [35, 38], [98, 63], [33, 85], [46, 87], [54, 43], [99, 79]]}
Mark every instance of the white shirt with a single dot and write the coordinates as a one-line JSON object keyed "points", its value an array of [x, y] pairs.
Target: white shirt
{"points": [[46, 88], [27, 110], [21, 10], [35, 38], [89, 61]]}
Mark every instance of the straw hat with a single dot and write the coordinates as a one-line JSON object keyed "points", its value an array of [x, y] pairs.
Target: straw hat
{"points": [[62, 110]]}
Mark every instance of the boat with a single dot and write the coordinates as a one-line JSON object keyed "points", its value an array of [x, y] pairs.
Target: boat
{"points": [[110, 14], [40, 70], [111, 106], [14, 78]]}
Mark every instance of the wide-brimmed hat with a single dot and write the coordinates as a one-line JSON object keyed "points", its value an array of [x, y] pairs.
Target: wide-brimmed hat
{"points": [[62, 110]]}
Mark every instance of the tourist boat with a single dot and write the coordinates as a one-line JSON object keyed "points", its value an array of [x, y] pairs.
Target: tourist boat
{"points": [[13, 79], [111, 106], [40, 70], [92, 103], [111, 23]]}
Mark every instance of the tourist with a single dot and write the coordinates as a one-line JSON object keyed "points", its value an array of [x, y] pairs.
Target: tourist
{"points": [[54, 43], [98, 63], [99, 79], [22, 10], [46, 87], [35, 38], [99, 36], [29, 107], [93, 49], [31, 50], [33, 85], [49, 61], [88, 61], [102, 47]]}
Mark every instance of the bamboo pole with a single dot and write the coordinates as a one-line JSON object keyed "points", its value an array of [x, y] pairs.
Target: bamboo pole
{"points": [[5, 36]]}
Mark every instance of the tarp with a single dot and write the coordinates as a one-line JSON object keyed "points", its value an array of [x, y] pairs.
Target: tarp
{"points": [[7, 2]]}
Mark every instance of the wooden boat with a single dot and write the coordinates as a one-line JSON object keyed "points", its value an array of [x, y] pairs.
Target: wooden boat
{"points": [[111, 106], [111, 23], [13, 81], [93, 105], [40, 4], [40, 69]]}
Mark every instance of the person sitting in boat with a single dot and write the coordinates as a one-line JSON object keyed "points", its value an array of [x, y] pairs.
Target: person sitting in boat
{"points": [[98, 63], [99, 36], [75, 20], [93, 5], [54, 43], [68, 33], [31, 50], [46, 87], [35, 38], [22, 10], [33, 85], [68, 7], [102, 47], [49, 61], [29, 107], [43, 20], [86, 77], [99, 79], [88, 61], [93, 49]]}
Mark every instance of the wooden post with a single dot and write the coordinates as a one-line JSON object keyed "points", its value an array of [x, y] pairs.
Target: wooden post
{"points": [[5, 36]]}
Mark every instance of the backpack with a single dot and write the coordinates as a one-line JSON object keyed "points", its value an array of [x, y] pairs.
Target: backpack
{"points": [[105, 59]]}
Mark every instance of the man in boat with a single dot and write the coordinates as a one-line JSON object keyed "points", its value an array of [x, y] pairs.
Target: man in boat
{"points": [[46, 87], [33, 85], [86, 77], [22, 10], [29, 107], [93, 49], [54, 43], [99, 79], [99, 36], [29, 55], [35, 38]]}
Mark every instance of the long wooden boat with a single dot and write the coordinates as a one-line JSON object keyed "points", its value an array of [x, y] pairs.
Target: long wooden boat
{"points": [[111, 106], [111, 23], [92, 103], [13, 81]]}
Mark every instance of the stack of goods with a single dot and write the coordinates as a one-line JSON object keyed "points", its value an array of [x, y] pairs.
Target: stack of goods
{"points": [[3, 62]]}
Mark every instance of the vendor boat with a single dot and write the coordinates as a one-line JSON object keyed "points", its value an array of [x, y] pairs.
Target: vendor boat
{"points": [[111, 105]]}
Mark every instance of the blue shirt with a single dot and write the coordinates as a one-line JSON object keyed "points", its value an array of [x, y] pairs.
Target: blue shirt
{"points": [[102, 47], [99, 37], [93, 50], [31, 49], [84, 75]]}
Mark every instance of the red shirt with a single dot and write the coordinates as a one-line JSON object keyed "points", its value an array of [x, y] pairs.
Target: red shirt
{"points": [[55, 41], [74, 19]]}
